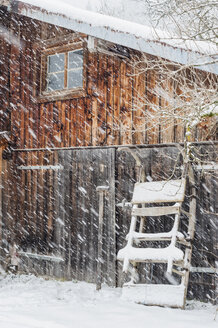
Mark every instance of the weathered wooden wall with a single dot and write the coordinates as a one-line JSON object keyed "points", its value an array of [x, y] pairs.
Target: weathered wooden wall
{"points": [[1, 182], [5, 75], [111, 112], [162, 163], [56, 212]]}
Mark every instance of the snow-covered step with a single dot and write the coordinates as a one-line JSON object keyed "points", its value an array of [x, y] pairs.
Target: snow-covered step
{"points": [[161, 295], [159, 192], [161, 236], [156, 255], [156, 211]]}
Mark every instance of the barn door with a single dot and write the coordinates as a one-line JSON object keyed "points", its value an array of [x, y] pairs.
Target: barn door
{"points": [[84, 170], [51, 212], [34, 208]]}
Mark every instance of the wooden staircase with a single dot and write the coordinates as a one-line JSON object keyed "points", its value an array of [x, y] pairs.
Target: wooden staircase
{"points": [[156, 200]]}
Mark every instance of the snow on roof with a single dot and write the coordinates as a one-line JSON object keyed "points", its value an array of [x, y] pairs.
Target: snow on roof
{"points": [[119, 31]]}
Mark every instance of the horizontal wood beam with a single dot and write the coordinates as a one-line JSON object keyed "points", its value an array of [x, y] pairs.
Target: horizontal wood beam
{"points": [[155, 211], [162, 145], [205, 167], [41, 256], [41, 167], [203, 270]]}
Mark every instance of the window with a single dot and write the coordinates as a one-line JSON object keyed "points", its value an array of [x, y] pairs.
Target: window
{"points": [[75, 69], [65, 71], [62, 72], [55, 72]]}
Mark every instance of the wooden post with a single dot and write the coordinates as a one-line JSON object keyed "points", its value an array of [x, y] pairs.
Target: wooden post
{"points": [[191, 228], [102, 190], [1, 186]]}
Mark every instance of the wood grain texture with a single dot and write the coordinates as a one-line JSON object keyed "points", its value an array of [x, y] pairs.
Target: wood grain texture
{"points": [[117, 104], [56, 212]]}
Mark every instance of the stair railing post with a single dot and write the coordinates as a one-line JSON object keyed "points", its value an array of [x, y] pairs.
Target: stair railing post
{"points": [[102, 190], [191, 228]]}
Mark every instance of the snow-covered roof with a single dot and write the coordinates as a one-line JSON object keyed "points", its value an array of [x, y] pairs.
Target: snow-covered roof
{"points": [[129, 34]]}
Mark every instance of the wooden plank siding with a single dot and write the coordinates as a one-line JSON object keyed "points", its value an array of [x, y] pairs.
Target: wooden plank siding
{"points": [[1, 205], [164, 163], [55, 213], [112, 109], [4, 69]]}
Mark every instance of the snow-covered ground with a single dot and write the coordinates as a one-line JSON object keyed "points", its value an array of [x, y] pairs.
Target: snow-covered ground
{"points": [[30, 302]]}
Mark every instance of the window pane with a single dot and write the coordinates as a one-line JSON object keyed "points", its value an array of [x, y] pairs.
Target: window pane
{"points": [[55, 81], [75, 59], [75, 78], [56, 63]]}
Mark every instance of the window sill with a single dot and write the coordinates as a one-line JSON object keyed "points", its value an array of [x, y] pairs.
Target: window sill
{"points": [[61, 95]]}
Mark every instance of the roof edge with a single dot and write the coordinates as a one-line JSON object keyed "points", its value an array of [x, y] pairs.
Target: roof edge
{"points": [[123, 37]]}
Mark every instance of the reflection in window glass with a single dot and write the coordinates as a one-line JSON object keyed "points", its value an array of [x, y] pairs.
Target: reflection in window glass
{"points": [[55, 72], [75, 69], [55, 81], [75, 59], [75, 78], [65, 70], [56, 63]]}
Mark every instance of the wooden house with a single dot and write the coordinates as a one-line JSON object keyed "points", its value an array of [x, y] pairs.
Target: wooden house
{"points": [[72, 89]]}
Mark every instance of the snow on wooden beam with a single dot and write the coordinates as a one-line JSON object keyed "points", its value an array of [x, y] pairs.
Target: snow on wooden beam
{"points": [[4, 137], [91, 44], [207, 167], [162, 145], [5, 3], [203, 270], [41, 256], [41, 167]]}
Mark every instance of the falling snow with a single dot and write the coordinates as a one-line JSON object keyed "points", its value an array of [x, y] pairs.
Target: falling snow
{"points": [[49, 203]]}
